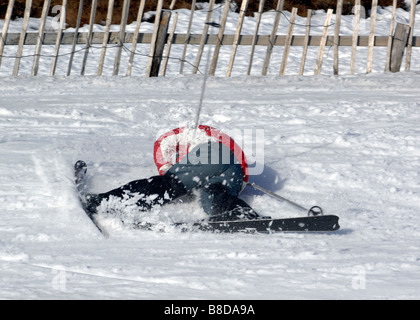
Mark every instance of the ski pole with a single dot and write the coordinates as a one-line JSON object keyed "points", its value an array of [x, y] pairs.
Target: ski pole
{"points": [[315, 210]]}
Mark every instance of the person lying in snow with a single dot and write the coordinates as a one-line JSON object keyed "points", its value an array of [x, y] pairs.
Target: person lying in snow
{"points": [[216, 169]]}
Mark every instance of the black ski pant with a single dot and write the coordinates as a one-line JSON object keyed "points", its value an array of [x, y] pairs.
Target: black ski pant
{"points": [[218, 182], [215, 199]]}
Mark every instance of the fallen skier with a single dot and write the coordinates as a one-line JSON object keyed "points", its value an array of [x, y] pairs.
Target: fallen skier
{"points": [[211, 168], [215, 168]]}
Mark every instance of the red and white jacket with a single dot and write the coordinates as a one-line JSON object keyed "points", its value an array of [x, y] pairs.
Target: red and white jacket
{"points": [[172, 146]]}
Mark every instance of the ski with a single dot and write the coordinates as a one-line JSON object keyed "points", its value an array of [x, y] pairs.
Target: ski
{"points": [[80, 169], [298, 224], [320, 223]]}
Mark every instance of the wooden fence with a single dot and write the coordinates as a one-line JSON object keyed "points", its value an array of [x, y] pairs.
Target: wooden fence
{"points": [[399, 40]]}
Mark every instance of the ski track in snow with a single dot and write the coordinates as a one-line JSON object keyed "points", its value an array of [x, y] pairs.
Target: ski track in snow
{"points": [[350, 144]]}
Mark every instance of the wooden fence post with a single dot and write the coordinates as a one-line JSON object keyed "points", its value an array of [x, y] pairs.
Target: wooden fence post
{"points": [[184, 51], [273, 37], [242, 12], [121, 37], [106, 36], [204, 37], [135, 37], [391, 30], [153, 42], [254, 38], [89, 36], [172, 5], [22, 36], [6, 26], [62, 26], [306, 40], [410, 38], [168, 45], [320, 56], [355, 38], [219, 39], [288, 41], [337, 34], [76, 35], [160, 44], [40, 38], [399, 43], [371, 35]]}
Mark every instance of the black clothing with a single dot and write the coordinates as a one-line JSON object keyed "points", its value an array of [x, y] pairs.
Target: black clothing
{"points": [[218, 181]]}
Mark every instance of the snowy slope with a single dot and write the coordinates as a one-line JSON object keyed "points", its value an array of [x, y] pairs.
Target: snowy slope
{"points": [[350, 144]]}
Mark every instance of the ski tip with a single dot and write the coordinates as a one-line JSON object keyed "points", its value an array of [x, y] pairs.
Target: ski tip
{"points": [[80, 164], [80, 169]]}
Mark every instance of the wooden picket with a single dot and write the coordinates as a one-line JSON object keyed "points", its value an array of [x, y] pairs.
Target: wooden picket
{"points": [[135, 36], [6, 27], [273, 35], [121, 37], [306, 41], [76, 33], [59, 35], [371, 35], [38, 46], [89, 36], [22, 36], [168, 46], [410, 37], [162, 38], [203, 37], [355, 38], [255, 36], [106, 36], [184, 51], [154, 38], [288, 41], [320, 56], [337, 35], [391, 31], [237, 35], [219, 38]]}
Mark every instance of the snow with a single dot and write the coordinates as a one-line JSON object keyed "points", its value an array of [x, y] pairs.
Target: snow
{"points": [[349, 143]]}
